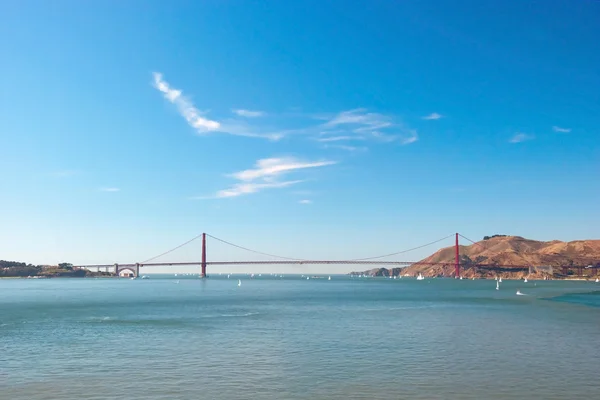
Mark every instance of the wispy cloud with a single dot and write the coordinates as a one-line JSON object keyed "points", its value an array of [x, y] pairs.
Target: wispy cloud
{"points": [[246, 188], [363, 125], [109, 189], [268, 168], [305, 201], [356, 124], [561, 130], [335, 138], [186, 108], [249, 113], [520, 137], [266, 174], [433, 116], [346, 147]]}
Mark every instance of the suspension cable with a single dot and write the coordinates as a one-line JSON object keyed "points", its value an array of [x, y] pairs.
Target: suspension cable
{"points": [[403, 251], [173, 249], [478, 244], [255, 251], [289, 258]]}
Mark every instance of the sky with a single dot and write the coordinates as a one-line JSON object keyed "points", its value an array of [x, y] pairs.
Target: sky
{"points": [[314, 129]]}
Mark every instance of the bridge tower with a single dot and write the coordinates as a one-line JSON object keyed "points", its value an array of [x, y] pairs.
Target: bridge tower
{"points": [[203, 273], [456, 259]]}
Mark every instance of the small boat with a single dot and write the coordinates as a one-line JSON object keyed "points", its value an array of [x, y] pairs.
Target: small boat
{"points": [[329, 278], [145, 277], [497, 286], [519, 293], [597, 280], [525, 281], [500, 280], [239, 282], [420, 277]]}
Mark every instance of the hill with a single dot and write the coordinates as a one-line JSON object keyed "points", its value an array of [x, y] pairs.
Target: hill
{"points": [[505, 252]]}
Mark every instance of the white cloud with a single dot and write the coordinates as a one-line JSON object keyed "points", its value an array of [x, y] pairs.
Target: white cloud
{"points": [[561, 130], [335, 138], [356, 124], [247, 188], [305, 201], [186, 108], [366, 125], [520, 137], [346, 147], [109, 189], [248, 113], [433, 116], [270, 167], [266, 175]]}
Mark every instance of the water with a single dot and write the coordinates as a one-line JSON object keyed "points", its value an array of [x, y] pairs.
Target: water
{"points": [[292, 338]]}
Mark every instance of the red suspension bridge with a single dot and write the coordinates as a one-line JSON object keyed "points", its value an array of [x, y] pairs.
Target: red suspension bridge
{"points": [[134, 268]]}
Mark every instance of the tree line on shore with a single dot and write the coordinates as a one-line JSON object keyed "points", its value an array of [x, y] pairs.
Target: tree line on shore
{"points": [[17, 269]]}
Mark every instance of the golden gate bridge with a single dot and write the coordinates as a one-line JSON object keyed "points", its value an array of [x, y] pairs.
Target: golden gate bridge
{"points": [[134, 268]]}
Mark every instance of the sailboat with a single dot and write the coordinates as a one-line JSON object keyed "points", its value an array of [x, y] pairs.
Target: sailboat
{"points": [[497, 285], [420, 277], [597, 280], [329, 278], [525, 281], [239, 282], [500, 280]]}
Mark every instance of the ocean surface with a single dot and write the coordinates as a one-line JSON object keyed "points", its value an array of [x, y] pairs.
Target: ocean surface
{"points": [[291, 338]]}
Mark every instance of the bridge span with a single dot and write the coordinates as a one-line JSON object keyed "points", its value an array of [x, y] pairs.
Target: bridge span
{"points": [[134, 268]]}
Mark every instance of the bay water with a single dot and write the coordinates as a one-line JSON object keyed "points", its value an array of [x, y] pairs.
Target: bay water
{"points": [[182, 337]]}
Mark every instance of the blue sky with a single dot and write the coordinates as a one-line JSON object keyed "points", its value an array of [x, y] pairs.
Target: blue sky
{"points": [[315, 129]]}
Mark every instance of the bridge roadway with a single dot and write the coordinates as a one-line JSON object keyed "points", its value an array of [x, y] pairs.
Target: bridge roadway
{"points": [[299, 262]]}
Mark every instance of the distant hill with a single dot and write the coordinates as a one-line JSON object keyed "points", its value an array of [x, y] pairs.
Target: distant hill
{"points": [[503, 251]]}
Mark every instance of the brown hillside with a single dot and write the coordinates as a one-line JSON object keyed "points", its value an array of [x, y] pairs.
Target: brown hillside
{"points": [[510, 251]]}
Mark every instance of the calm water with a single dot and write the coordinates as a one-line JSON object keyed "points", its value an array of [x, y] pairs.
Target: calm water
{"points": [[292, 338]]}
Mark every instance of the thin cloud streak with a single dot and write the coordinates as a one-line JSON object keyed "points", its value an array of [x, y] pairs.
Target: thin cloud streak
{"points": [[248, 188], [520, 137], [270, 167], [195, 118], [109, 189], [366, 125], [433, 116], [336, 138], [249, 113], [185, 107], [266, 175], [346, 147], [305, 201], [561, 130]]}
